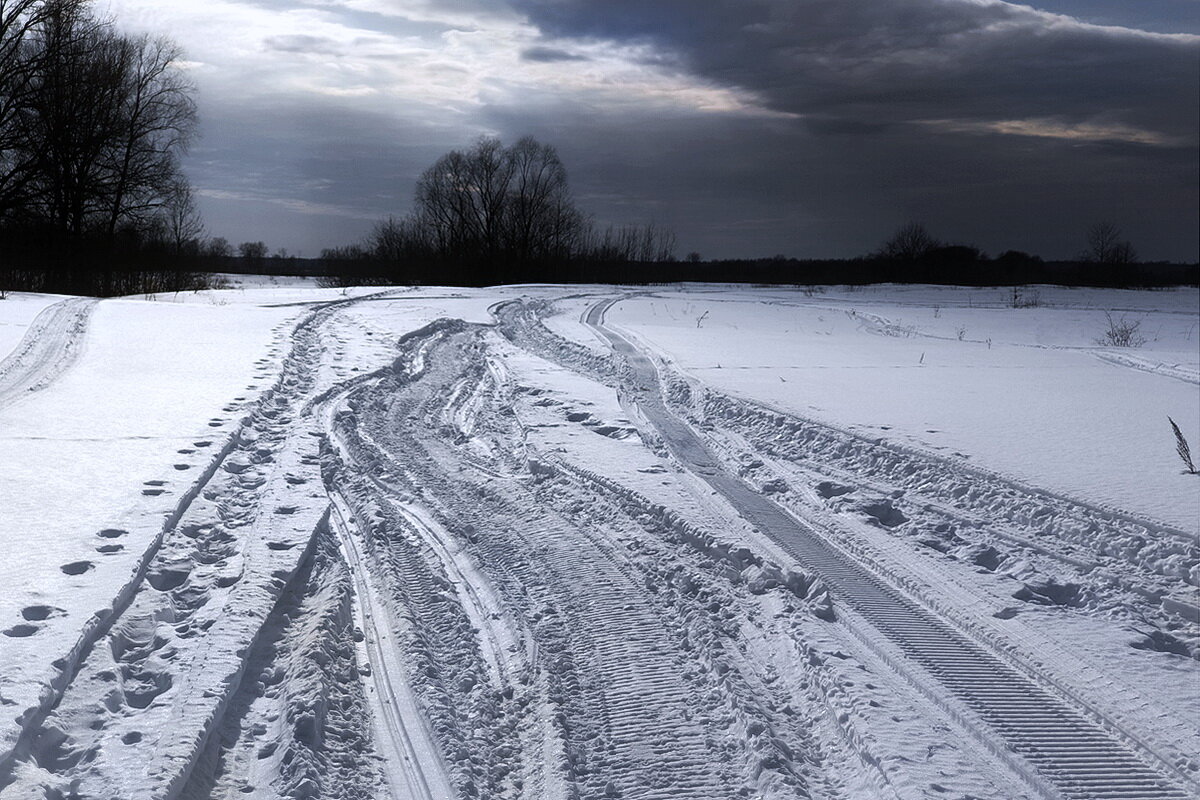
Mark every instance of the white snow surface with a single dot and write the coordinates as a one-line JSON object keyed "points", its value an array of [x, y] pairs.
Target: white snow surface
{"points": [[281, 541], [1027, 392], [17, 312]]}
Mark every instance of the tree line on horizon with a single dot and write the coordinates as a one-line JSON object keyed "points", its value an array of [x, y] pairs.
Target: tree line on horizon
{"points": [[911, 255]]}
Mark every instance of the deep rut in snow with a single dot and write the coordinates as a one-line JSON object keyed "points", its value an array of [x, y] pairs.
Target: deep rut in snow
{"points": [[599, 671]]}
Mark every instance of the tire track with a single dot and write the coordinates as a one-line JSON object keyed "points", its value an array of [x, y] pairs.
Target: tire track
{"points": [[611, 666], [413, 764], [1071, 752]]}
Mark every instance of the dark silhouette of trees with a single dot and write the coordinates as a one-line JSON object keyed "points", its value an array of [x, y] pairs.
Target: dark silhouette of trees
{"points": [[92, 126], [20, 21], [491, 206], [252, 251], [218, 247], [184, 227], [630, 243], [1105, 247], [495, 214], [910, 243], [156, 120]]}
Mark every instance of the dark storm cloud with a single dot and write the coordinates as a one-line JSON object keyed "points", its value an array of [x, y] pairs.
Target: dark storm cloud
{"points": [[876, 61], [752, 127], [1003, 125]]}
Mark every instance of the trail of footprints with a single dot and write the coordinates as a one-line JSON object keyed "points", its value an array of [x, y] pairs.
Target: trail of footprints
{"points": [[188, 583]]}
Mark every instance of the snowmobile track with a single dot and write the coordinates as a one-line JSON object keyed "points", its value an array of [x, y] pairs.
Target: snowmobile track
{"points": [[1067, 750]]}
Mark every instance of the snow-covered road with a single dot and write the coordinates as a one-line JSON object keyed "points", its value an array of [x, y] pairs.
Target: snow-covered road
{"points": [[511, 543]]}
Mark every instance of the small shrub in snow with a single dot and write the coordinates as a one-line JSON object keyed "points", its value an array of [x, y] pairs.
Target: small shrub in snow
{"points": [[1024, 298], [1121, 333], [1181, 447]]}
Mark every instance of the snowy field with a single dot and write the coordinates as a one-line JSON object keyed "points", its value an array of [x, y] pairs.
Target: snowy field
{"points": [[584, 542]]}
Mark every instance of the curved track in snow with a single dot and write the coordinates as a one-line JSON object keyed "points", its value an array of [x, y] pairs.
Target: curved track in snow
{"points": [[1064, 749], [600, 658], [49, 347]]}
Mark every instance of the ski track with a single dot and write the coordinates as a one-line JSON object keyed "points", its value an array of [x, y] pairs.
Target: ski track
{"points": [[49, 347], [380, 587]]}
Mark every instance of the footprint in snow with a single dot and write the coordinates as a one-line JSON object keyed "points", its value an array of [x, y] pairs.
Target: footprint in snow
{"points": [[77, 567], [21, 631], [39, 613], [112, 533]]}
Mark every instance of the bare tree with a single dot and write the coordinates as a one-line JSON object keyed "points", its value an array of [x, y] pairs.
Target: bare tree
{"points": [[540, 219], [71, 117], [218, 247], [253, 251], [461, 201], [92, 123], [399, 240], [492, 204], [911, 242], [157, 121], [20, 21], [1105, 246], [628, 243], [184, 227]]}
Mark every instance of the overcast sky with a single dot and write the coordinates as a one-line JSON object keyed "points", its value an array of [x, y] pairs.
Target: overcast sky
{"points": [[752, 127]]}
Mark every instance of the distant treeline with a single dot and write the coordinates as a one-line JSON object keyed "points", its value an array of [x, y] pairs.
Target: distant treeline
{"points": [[160, 269], [1006, 271], [773, 271]]}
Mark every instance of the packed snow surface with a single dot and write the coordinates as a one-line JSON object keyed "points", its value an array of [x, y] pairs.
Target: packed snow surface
{"points": [[587, 542]]}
